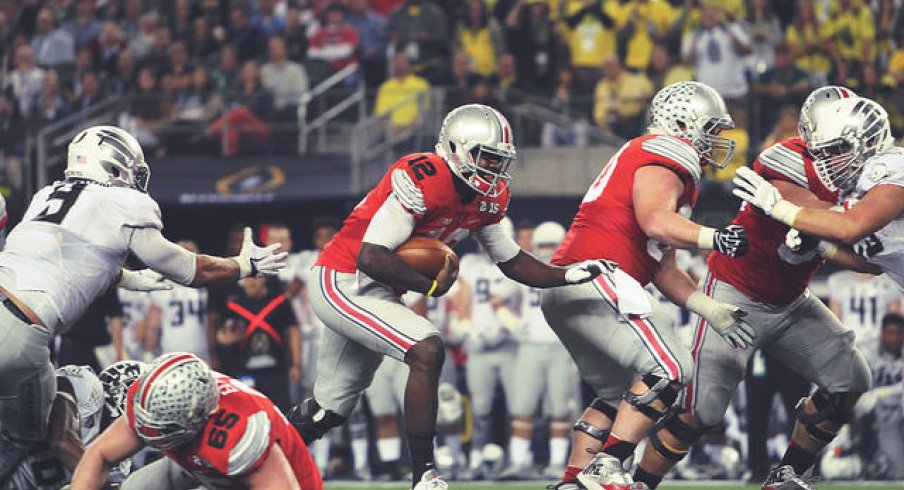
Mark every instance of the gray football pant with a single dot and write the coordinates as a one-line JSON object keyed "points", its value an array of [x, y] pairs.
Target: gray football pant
{"points": [[163, 474], [483, 372], [547, 373], [611, 349], [890, 433], [804, 335]]}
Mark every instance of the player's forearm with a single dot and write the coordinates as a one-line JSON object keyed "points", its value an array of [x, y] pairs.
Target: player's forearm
{"points": [[846, 258], [385, 267], [91, 472], [116, 337], [526, 269], [674, 230], [295, 345], [214, 270], [674, 283]]}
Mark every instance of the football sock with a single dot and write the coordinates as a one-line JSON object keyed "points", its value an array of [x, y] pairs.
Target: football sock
{"points": [[389, 449], [453, 442], [359, 452], [558, 451], [797, 458], [619, 448], [420, 447], [650, 479], [519, 451], [571, 474], [321, 452]]}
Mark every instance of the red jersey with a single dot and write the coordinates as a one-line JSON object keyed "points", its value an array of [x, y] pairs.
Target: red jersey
{"points": [[426, 188], [606, 226], [770, 272], [238, 437]]}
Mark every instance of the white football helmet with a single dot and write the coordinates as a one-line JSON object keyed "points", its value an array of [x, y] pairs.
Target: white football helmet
{"points": [[108, 155], [116, 379], [696, 112], [546, 239], [173, 400], [476, 142], [89, 398], [846, 133], [816, 101]]}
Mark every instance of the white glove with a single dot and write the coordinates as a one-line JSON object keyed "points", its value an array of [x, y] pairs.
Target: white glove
{"points": [[143, 280], [725, 319], [803, 244], [588, 270], [754, 189], [259, 261], [866, 403]]}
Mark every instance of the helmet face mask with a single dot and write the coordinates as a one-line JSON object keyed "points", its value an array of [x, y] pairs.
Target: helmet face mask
{"points": [[476, 142]]}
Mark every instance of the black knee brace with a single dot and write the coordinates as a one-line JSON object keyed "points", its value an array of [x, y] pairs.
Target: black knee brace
{"points": [[595, 432], [680, 430], [831, 407], [659, 389], [311, 421], [601, 406]]}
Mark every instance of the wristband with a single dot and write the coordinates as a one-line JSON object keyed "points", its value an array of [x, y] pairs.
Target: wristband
{"points": [[244, 266], [706, 238], [432, 288], [785, 212], [701, 304], [826, 249]]}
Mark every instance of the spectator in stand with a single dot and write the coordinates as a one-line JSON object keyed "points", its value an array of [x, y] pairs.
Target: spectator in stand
{"points": [[131, 18], [507, 73], [24, 83], [567, 100], [850, 31], [716, 51], [249, 39], [267, 18], [480, 37], [51, 45], [125, 80], [226, 74], [193, 110], [641, 24], [90, 92], [420, 29], [396, 97], [84, 27], [783, 84], [107, 48], [621, 99], [295, 34], [663, 72], [286, 80], [6, 34], [180, 24], [590, 34], [12, 137], [893, 81], [142, 42], [159, 56], [371, 49], [765, 32], [177, 77], [457, 91], [336, 41], [49, 104], [785, 127], [243, 127], [534, 41], [203, 48], [146, 113]]}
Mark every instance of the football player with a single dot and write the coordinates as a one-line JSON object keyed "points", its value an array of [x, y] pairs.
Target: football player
{"points": [[635, 214], [135, 306], [549, 372], [355, 285], [854, 155], [791, 324], [68, 249], [860, 300], [220, 432]]}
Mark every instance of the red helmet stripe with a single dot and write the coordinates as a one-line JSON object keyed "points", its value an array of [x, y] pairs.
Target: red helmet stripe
{"points": [[153, 375]]}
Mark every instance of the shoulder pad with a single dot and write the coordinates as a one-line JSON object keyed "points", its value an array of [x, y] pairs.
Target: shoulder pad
{"points": [[786, 162], [253, 445], [140, 210], [408, 193], [886, 167], [676, 150]]}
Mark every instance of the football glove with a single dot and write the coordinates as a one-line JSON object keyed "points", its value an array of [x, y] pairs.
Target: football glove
{"points": [[143, 280], [731, 241], [588, 270], [259, 261], [800, 243], [727, 320], [754, 189]]}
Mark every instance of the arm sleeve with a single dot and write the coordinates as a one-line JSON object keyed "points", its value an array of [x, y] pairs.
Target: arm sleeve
{"points": [[391, 225], [498, 244], [162, 255]]}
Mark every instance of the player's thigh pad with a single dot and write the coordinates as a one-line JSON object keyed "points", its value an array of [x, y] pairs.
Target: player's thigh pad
{"points": [[384, 395], [374, 317], [346, 370], [717, 367], [27, 378], [531, 366], [163, 474], [816, 345]]}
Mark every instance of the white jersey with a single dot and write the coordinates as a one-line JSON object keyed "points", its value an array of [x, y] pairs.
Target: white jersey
{"points": [[884, 248], [135, 306], [863, 303], [183, 320], [535, 329], [488, 285], [888, 370], [71, 245], [89, 398]]}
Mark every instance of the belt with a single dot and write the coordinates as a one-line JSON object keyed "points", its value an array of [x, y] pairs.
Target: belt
{"points": [[18, 313]]}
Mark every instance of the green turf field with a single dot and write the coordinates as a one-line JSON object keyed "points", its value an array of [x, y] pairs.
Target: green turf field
{"points": [[708, 485]]}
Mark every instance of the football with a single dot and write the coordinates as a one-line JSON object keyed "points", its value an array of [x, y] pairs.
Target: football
{"points": [[425, 255]]}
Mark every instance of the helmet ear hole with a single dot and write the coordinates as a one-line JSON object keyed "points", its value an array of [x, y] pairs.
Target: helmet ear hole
{"points": [[452, 146]]}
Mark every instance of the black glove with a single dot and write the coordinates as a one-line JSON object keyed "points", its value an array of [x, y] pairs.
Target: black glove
{"points": [[731, 241]]}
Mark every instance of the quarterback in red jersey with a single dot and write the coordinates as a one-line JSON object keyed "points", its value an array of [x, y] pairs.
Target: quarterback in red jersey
{"points": [[219, 432], [634, 214], [459, 189], [770, 283]]}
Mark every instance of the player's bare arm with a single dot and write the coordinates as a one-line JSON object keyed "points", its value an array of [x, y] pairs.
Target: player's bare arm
{"points": [[115, 444], [655, 198], [383, 265], [274, 474]]}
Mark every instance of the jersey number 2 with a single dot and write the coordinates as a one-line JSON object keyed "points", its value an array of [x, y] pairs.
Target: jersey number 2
{"points": [[59, 203]]}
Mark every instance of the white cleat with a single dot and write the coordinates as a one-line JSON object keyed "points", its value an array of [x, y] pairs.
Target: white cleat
{"points": [[605, 472], [784, 478], [431, 481]]}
